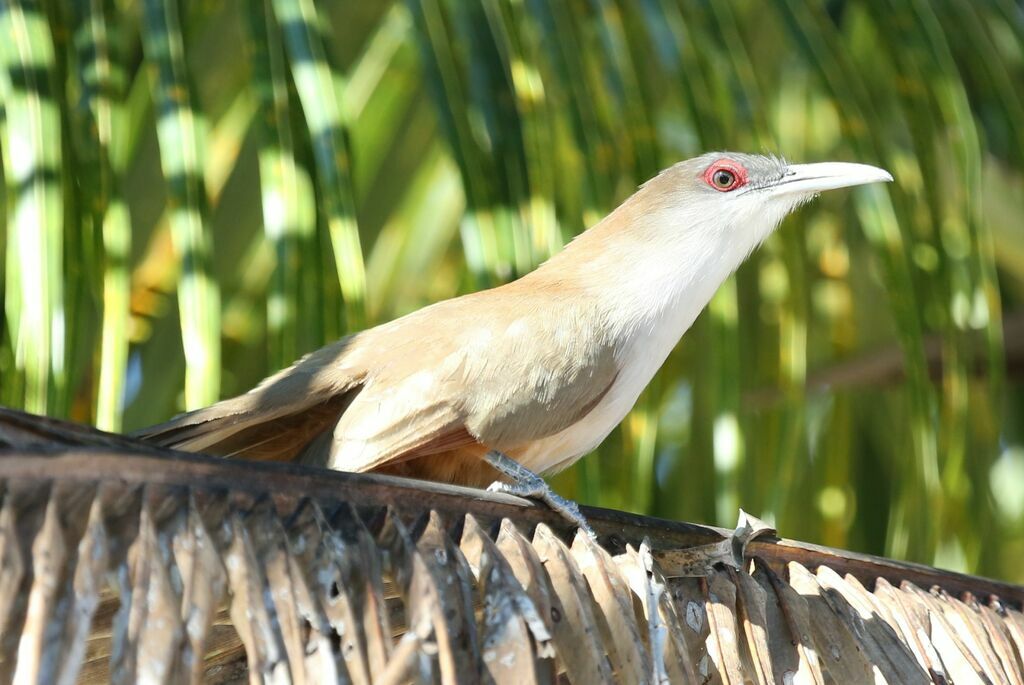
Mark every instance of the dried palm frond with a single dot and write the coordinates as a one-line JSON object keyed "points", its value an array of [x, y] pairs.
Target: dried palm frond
{"points": [[119, 563]]}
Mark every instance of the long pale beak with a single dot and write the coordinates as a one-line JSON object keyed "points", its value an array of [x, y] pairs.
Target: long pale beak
{"points": [[805, 179]]}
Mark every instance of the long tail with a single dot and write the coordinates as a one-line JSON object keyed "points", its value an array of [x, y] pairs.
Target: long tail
{"points": [[274, 421]]}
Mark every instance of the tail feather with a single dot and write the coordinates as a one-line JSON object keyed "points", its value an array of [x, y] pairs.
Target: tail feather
{"points": [[274, 421], [222, 431]]}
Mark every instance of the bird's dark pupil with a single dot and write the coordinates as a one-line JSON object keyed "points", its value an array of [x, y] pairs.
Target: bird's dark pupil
{"points": [[723, 178]]}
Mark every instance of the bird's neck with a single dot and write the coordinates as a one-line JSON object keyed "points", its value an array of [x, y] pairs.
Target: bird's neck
{"points": [[649, 268]]}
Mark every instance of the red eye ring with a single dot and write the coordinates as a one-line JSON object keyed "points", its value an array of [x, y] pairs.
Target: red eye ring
{"points": [[725, 175]]}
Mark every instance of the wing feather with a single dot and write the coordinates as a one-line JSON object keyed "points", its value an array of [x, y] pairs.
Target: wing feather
{"points": [[488, 370], [495, 381]]}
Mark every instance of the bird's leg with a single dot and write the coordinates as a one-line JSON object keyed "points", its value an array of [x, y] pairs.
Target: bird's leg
{"points": [[526, 483]]}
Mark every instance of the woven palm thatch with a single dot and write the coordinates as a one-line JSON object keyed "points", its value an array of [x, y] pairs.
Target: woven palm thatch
{"points": [[121, 563]]}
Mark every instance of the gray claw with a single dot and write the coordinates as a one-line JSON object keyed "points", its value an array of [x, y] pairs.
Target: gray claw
{"points": [[526, 483]]}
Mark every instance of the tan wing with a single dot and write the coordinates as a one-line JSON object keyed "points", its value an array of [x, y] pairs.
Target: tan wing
{"points": [[486, 369], [473, 374]]}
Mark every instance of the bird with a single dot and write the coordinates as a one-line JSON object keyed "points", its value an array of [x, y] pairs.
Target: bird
{"points": [[505, 385]]}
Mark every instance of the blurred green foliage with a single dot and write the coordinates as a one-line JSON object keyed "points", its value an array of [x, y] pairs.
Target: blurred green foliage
{"points": [[198, 192]]}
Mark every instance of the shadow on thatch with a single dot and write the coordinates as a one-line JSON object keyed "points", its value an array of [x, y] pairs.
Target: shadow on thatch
{"points": [[119, 562]]}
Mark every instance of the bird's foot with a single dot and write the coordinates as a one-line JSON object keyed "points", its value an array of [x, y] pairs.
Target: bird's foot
{"points": [[526, 483]]}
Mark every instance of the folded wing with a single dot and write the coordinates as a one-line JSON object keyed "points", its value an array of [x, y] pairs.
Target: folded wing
{"points": [[465, 373]]}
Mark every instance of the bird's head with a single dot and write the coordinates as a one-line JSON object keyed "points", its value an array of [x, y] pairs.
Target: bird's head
{"points": [[685, 230], [741, 198], [702, 217]]}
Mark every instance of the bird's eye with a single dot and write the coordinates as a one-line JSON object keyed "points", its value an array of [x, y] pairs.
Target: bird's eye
{"points": [[725, 175], [723, 179]]}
